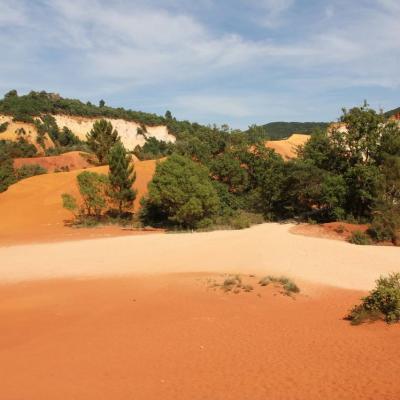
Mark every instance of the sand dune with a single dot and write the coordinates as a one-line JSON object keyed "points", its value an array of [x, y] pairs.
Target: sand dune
{"points": [[31, 210], [263, 249], [73, 160], [287, 147], [168, 337]]}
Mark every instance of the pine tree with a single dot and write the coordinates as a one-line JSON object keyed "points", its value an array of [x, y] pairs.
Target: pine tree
{"points": [[101, 138], [121, 177]]}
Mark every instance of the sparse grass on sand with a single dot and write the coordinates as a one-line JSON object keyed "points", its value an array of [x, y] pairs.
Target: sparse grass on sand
{"points": [[286, 283], [238, 283]]}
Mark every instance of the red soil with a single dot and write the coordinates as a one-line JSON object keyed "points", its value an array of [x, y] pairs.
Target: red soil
{"points": [[31, 210], [330, 230], [72, 160], [169, 337]]}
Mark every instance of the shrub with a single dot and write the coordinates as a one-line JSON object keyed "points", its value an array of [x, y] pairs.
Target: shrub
{"points": [[29, 170], [360, 238], [3, 127], [92, 187], [287, 284], [382, 302], [181, 193]]}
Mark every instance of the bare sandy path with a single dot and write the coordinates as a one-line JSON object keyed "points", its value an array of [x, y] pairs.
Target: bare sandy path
{"points": [[263, 249]]}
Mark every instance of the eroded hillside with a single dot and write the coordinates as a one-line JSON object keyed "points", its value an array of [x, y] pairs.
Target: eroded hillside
{"points": [[80, 126]]}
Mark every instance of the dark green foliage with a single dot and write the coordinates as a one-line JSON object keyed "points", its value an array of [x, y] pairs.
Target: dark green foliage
{"points": [[182, 194], [280, 130], [101, 138], [3, 127], [93, 188], [29, 170], [226, 168], [121, 177], [18, 149], [35, 104], [153, 149], [382, 302], [364, 183], [360, 238], [7, 176]]}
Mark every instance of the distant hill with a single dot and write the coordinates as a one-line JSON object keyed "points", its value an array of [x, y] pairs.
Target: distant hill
{"points": [[392, 112], [280, 130]]}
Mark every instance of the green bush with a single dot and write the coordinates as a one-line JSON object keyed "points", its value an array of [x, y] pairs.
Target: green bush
{"points": [[3, 127], [287, 284], [181, 193], [29, 170], [382, 302], [360, 238]]}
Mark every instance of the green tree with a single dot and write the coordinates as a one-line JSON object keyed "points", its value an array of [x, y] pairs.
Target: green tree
{"points": [[121, 177], [226, 168], [181, 193], [101, 138], [93, 190]]}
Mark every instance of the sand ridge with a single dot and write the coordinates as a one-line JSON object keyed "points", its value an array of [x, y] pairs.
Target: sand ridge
{"points": [[287, 148], [72, 160], [31, 210], [262, 249]]}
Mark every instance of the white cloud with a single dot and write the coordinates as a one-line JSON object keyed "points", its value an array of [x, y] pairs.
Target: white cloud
{"points": [[115, 45]]}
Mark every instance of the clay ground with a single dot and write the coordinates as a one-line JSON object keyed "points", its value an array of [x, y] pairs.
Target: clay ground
{"points": [[31, 210], [134, 317], [171, 337]]}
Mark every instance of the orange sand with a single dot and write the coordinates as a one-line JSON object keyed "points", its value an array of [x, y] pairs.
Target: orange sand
{"points": [[287, 148], [169, 337], [31, 210], [330, 230], [73, 160]]}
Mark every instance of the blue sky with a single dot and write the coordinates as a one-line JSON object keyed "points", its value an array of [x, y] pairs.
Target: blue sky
{"points": [[212, 61]]}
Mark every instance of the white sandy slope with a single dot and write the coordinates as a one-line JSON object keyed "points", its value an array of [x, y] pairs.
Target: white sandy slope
{"points": [[263, 249], [80, 126], [126, 129]]}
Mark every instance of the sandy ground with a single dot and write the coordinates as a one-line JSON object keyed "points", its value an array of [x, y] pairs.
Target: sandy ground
{"points": [[330, 230], [73, 160], [263, 249], [287, 148], [172, 338], [31, 210]]}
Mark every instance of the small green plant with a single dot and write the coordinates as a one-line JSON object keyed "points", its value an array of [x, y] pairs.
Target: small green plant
{"points": [[382, 302], [232, 281], [360, 238], [287, 284]]}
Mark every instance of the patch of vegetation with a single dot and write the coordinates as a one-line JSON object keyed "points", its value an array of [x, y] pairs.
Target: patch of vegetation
{"points": [[3, 127], [281, 130], [288, 285], [153, 149], [99, 192], [35, 104], [181, 193], [382, 302], [29, 170], [360, 238]]}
